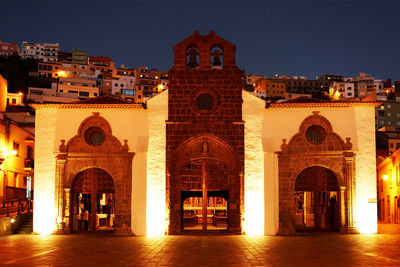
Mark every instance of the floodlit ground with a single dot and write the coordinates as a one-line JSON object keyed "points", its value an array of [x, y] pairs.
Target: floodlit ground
{"points": [[189, 250]]}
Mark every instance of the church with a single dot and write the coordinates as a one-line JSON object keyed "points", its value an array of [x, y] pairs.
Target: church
{"points": [[205, 156]]}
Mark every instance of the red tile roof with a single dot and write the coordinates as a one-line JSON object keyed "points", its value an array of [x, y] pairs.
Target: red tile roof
{"points": [[104, 99], [95, 102]]}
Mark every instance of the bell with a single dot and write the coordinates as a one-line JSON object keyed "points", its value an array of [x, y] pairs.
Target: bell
{"points": [[192, 64], [192, 53], [216, 61]]}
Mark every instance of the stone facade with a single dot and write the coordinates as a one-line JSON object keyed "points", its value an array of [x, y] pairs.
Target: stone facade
{"points": [[330, 152], [191, 122], [111, 156]]}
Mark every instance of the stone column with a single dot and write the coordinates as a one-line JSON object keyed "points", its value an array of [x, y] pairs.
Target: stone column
{"points": [[350, 192], [342, 203], [67, 212], [286, 195], [242, 207], [59, 190]]}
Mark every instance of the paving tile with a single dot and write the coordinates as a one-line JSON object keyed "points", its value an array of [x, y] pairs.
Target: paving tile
{"points": [[109, 250]]}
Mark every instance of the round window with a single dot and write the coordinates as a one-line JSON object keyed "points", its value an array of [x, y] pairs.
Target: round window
{"points": [[315, 134], [204, 101], [95, 136]]}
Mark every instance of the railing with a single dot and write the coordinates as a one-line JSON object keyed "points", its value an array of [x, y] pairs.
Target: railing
{"points": [[15, 206]]}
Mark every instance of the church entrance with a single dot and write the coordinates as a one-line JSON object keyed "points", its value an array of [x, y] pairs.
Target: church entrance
{"points": [[317, 200], [204, 195], [93, 201]]}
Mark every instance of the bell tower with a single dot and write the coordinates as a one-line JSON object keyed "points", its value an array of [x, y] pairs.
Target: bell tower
{"points": [[205, 129]]}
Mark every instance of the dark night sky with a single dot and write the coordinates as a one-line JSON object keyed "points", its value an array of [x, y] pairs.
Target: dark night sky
{"points": [[293, 37]]}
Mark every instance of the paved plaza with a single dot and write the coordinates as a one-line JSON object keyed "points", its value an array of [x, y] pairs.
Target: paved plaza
{"points": [[200, 250]]}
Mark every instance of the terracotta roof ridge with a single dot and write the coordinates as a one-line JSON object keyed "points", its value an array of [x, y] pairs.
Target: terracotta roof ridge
{"points": [[103, 99]]}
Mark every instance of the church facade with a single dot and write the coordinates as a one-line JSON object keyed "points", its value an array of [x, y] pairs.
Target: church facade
{"points": [[205, 156]]}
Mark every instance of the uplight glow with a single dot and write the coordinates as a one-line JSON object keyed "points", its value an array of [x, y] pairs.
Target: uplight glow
{"points": [[44, 217], [367, 218]]}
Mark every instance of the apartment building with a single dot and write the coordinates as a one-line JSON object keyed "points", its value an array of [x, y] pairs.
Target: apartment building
{"points": [[8, 49], [147, 82], [63, 69], [341, 90], [388, 115], [80, 56], [44, 52], [122, 83], [251, 79], [64, 56], [364, 85], [78, 88], [102, 65], [388, 188], [16, 154], [270, 88]]}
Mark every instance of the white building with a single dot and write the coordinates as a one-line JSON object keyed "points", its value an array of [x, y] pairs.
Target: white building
{"points": [[45, 52], [79, 87], [379, 86], [340, 90], [122, 83]]}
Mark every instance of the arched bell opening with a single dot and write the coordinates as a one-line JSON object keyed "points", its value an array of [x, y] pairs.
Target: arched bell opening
{"points": [[192, 57], [217, 58], [93, 201], [317, 200]]}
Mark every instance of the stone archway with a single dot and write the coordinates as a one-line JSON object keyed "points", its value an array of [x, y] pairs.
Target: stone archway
{"points": [[317, 197], [94, 147], [205, 168], [316, 144]]}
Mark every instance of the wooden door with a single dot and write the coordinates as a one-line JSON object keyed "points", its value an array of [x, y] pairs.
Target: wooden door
{"points": [[204, 175], [93, 182]]}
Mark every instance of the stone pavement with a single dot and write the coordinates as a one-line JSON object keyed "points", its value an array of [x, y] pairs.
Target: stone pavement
{"points": [[201, 250], [388, 228]]}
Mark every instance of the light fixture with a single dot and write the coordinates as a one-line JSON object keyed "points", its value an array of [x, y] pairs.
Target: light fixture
{"points": [[385, 177]]}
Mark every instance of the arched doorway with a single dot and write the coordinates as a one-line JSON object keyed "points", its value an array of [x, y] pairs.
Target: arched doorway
{"points": [[317, 200], [204, 186], [204, 195], [93, 201]]}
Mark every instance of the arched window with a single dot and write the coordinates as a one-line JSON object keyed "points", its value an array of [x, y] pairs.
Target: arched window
{"points": [[217, 58], [192, 58]]}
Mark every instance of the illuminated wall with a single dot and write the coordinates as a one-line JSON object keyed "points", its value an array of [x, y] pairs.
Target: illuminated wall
{"points": [[3, 94], [366, 205], [254, 165], [156, 173], [388, 176], [44, 219]]}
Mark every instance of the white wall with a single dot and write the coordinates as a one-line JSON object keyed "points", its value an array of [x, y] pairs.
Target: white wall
{"points": [[156, 162], [44, 218]]}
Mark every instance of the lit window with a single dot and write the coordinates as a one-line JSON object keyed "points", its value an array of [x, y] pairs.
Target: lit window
{"points": [[16, 148]]}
